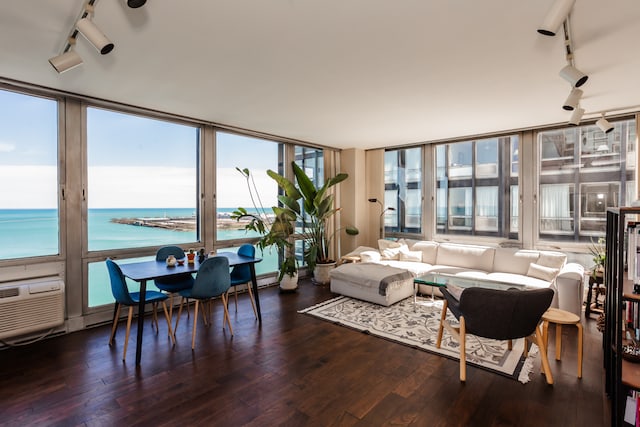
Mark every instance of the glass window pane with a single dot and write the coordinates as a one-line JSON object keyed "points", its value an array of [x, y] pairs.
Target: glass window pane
{"points": [[403, 190], [142, 181], [257, 194], [487, 158], [460, 207], [460, 160], [486, 209], [599, 176], [29, 224]]}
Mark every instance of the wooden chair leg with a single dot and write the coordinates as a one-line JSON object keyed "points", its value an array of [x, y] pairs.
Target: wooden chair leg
{"points": [[115, 324], [580, 334], [126, 339], [226, 313], [204, 313], [543, 356], [253, 303], [154, 309], [166, 315], [171, 306], [558, 340], [235, 294], [195, 324], [443, 316], [463, 349], [510, 345], [175, 328]]}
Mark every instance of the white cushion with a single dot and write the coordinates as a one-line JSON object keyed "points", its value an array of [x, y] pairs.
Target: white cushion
{"points": [[541, 272], [467, 256], [514, 261], [412, 256], [429, 250], [552, 259], [370, 256]]}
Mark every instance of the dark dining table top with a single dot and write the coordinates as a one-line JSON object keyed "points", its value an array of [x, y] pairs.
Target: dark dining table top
{"points": [[148, 270]]}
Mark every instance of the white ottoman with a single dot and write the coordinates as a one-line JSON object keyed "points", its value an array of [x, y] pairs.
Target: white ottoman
{"points": [[372, 282]]}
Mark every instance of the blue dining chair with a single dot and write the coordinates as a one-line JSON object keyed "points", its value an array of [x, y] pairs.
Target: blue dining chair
{"points": [[212, 280], [174, 284], [241, 274], [122, 296]]}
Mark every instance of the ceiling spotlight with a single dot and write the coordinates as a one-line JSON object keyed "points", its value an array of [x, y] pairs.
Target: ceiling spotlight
{"points": [[604, 124], [576, 116], [66, 61], [573, 99], [555, 17], [134, 4], [88, 29], [574, 76]]}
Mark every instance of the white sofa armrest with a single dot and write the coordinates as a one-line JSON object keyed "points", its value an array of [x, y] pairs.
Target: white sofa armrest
{"points": [[569, 285]]}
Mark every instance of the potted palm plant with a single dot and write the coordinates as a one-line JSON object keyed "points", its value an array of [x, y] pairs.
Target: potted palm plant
{"points": [[272, 234], [310, 209]]}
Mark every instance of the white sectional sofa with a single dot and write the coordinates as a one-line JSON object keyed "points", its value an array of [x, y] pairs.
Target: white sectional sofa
{"points": [[532, 268]]}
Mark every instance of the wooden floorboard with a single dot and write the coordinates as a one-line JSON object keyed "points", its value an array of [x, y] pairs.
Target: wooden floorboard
{"points": [[294, 370]]}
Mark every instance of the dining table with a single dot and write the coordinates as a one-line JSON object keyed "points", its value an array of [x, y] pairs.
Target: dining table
{"points": [[144, 271]]}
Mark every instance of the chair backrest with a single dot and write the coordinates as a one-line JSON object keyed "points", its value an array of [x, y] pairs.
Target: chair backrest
{"points": [[119, 287], [213, 278], [165, 251], [242, 273], [502, 315]]}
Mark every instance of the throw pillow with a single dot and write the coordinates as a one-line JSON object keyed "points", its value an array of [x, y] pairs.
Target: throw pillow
{"points": [[455, 291], [541, 272], [393, 253], [369, 256], [412, 256], [552, 259]]}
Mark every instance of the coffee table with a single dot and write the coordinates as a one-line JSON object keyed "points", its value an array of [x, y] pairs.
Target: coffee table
{"points": [[440, 280]]}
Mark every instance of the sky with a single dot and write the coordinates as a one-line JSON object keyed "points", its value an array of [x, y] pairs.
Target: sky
{"points": [[133, 161]]}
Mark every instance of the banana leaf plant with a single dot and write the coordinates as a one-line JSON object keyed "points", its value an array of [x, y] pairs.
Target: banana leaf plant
{"points": [[309, 208]]}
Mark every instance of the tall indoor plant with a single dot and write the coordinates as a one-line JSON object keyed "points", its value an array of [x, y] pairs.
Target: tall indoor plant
{"points": [[272, 234], [311, 209]]}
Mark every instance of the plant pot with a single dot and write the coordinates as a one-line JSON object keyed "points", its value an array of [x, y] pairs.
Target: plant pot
{"points": [[321, 273], [289, 283]]}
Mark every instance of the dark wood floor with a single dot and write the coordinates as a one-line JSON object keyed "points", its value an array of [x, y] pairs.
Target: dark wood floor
{"points": [[295, 370]]}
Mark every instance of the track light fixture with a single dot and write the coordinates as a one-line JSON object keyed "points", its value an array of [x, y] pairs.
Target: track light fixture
{"points": [[572, 101], [68, 59], [576, 116], [604, 124], [134, 4], [555, 17], [574, 76], [87, 28]]}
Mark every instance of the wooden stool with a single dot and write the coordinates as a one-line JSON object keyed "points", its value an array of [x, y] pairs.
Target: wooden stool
{"points": [[561, 317]]}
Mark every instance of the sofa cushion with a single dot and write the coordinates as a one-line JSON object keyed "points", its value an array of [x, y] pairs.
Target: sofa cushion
{"points": [[411, 256], [416, 268], [552, 259], [429, 250], [541, 272], [390, 249], [370, 256], [470, 257], [515, 261]]}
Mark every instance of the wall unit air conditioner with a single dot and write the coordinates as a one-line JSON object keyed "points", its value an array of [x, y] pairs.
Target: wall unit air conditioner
{"points": [[31, 305]]}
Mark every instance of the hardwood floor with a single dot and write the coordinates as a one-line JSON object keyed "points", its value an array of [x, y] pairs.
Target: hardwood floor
{"points": [[295, 370]]}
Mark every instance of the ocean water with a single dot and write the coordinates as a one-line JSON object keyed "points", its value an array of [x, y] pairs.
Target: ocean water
{"points": [[34, 232]]}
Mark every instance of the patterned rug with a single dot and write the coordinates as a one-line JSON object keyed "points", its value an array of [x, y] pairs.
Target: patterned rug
{"points": [[418, 327]]}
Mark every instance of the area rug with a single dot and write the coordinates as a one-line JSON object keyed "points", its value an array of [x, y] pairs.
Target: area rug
{"points": [[417, 327]]}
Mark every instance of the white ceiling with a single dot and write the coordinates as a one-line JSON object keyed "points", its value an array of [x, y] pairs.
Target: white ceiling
{"points": [[341, 73]]}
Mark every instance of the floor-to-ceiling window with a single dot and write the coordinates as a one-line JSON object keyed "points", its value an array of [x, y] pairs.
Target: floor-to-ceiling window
{"points": [[256, 191], [311, 161], [477, 187], [402, 208], [583, 171], [142, 187], [29, 211]]}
